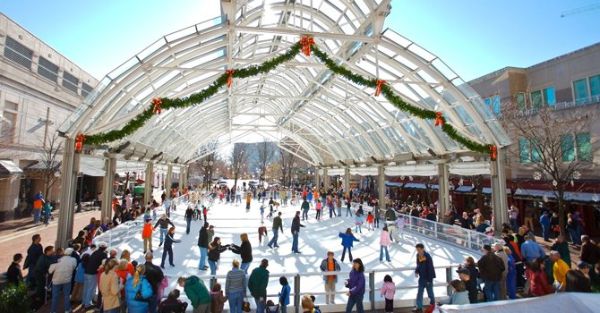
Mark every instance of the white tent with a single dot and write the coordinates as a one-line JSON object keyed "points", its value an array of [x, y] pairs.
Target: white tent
{"points": [[562, 302]]}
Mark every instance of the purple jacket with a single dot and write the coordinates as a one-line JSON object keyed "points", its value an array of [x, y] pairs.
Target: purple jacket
{"points": [[356, 283]]}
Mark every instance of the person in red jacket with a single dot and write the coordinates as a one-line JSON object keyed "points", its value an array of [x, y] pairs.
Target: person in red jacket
{"points": [[538, 281], [147, 235]]}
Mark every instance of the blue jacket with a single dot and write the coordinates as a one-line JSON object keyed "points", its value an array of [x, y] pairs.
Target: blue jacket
{"points": [[425, 268], [284, 295], [80, 273], [348, 240], [356, 283], [545, 220], [531, 250], [460, 297], [134, 306]]}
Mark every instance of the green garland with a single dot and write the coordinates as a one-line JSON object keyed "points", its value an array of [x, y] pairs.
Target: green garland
{"points": [[199, 97]]}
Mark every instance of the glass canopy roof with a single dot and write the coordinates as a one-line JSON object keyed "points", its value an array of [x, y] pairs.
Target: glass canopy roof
{"points": [[321, 117]]}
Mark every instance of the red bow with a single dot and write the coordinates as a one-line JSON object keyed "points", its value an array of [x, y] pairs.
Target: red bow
{"points": [[439, 119], [306, 42], [79, 141], [380, 83], [493, 152], [229, 77], [156, 102]]}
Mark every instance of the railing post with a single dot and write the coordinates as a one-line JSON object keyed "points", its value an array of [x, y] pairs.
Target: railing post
{"points": [[372, 290], [469, 240], [297, 293], [448, 279], [435, 231]]}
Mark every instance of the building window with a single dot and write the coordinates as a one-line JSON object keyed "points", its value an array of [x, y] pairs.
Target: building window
{"points": [[536, 153], [536, 99], [580, 89], [521, 102], [584, 147], [70, 82], [86, 89], [524, 151], [48, 69], [15, 51], [576, 146], [549, 96], [493, 104], [9, 122], [595, 86]]}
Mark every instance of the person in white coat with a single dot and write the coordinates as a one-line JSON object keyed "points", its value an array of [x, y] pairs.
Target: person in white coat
{"points": [[62, 273]]}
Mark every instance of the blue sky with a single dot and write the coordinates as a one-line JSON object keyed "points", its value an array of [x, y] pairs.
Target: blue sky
{"points": [[474, 37]]}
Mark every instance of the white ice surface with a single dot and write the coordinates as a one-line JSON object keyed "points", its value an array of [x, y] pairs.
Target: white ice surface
{"points": [[315, 240]]}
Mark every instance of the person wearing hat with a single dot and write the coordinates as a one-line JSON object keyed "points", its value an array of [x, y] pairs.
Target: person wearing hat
{"points": [[90, 282], [470, 283], [578, 280], [62, 273], [490, 270]]}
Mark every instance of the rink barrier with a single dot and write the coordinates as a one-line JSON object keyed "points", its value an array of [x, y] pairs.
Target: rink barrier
{"points": [[447, 233], [371, 291]]}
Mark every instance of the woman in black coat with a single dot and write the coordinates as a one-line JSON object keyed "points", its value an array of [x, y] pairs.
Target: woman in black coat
{"points": [[245, 251], [214, 254]]}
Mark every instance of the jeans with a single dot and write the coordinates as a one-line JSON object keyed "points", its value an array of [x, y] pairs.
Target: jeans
{"points": [[260, 304], [546, 232], [273, 242], [56, 290], [188, 221], [514, 224], [387, 254], [169, 251], [348, 212], [203, 254], [89, 289], [304, 215], [163, 234], [36, 215], [352, 300], [115, 310], [213, 267], [235, 299], [244, 267], [491, 290], [331, 212], [424, 284], [295, 242], [283, 308], [153, 304], [349, 249]]}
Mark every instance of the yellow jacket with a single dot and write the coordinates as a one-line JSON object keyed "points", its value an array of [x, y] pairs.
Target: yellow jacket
{"points": [[559, 271]]}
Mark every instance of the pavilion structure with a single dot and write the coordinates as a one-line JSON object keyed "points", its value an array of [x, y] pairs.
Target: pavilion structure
{"points": [[333, 123]]}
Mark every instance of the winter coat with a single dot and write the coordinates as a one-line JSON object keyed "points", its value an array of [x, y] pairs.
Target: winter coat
{"points": [[109, 288], [258, 281], [169, 241], [95, 261], [163, 223], [170, 305], [356, 283], [244, 250], [217, 301], [147, 231], [214, 252], [13, 274], [347, 240], [384, 239], [80, 273], [134, 306], [284, 295], [538, 283], [390, 215], [491, 267], [425, 267], [235, 281], [154, 275], [203, 238], [336, 268], [277, 223], [63, 270], [34, 252], [459, 297], [196, 291], [388, 289], [296, 224]]}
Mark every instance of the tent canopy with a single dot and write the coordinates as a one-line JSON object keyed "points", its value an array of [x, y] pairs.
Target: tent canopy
{"points": [[310, 112]]}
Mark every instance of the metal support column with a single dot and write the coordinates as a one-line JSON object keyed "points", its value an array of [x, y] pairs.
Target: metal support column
{"points": [[317, 182], [325, 178], [444, 190], [149, 179], [346, 179], [183, 172], [169, 180], [110, 168], [499, 200], [70, 169], [381, 186]]}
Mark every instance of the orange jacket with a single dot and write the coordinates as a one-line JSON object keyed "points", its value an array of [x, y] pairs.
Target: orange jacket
{"points": [[147, 230]]}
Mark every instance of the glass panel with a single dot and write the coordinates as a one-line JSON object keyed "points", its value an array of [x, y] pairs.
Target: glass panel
{"points": [[536, 154], [568, 148], [520, 98], [536, 99], [15, 51], [524, 150], [580, 89], [488, 103], [496, 105], [47, 69], [595, 86], [549, 96], [584, 147]]}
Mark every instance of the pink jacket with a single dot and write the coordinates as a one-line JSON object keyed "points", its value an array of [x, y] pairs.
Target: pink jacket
{"points": [[388, 290], [384, 239]]}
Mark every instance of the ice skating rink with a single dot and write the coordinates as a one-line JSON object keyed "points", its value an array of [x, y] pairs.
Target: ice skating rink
{"points": [[316, 238]]}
